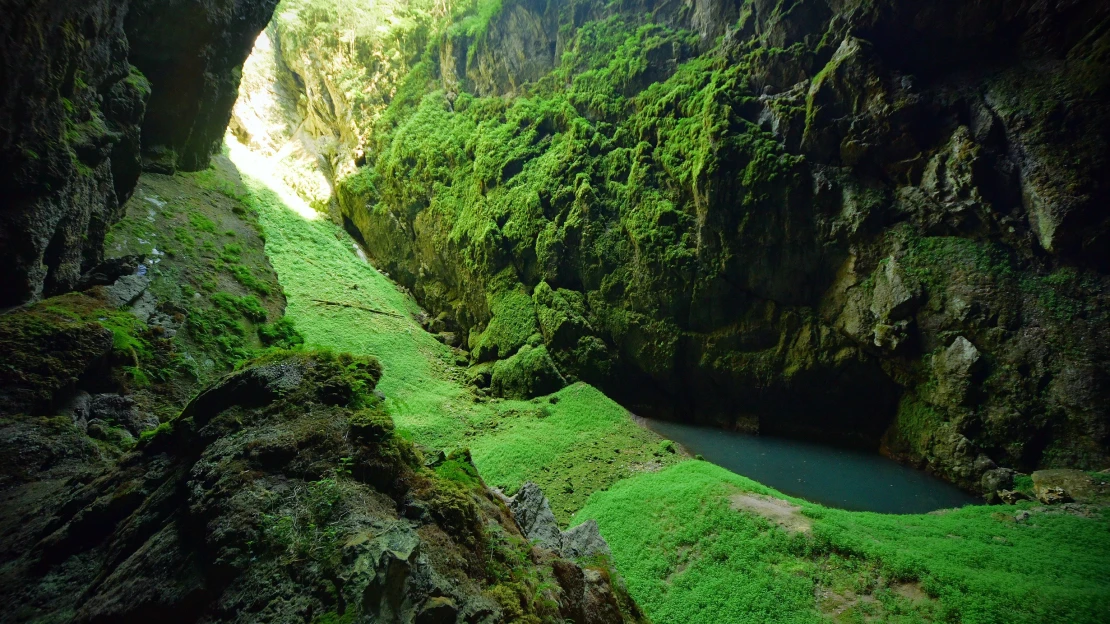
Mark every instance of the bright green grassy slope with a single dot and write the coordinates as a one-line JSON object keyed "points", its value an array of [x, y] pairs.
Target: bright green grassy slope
{"points": [[689, 557], [571, 444]]}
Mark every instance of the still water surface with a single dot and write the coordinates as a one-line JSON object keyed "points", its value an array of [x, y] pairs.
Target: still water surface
{"points": [[835, 477]]}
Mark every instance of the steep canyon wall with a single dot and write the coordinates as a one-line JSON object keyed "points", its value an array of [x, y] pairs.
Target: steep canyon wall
{"points": [[873, 220]]}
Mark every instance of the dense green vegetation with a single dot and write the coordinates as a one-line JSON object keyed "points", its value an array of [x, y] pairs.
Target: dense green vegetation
{"points": [[689, 557], [339, 302], [589, 180], [687, 554]]}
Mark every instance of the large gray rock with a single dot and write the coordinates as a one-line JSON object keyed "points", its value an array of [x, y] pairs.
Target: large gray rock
{"points": [[584, 541], [953, 369], [127, 290], [533, 515]]}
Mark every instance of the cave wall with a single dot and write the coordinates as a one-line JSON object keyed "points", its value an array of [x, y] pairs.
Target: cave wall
{"points": [[194, 72], [871, 220], [77, 113]]}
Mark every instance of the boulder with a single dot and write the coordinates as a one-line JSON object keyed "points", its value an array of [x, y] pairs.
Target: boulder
{"points": [[996, 481], [121, 411], [1012, 497], [1064, 485], [953, 369], [534, 517], [533, 514], [584, 541]]}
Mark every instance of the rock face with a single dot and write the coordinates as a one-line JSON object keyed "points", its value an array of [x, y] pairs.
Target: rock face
{"points": [[74, 113], [878, 221], [69, 113], [263, 501], [533, 515], [192, 52]]}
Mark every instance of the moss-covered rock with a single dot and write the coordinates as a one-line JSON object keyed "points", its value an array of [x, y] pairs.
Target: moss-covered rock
{"points": [[530, 372], [372, 425], [258, 494]]}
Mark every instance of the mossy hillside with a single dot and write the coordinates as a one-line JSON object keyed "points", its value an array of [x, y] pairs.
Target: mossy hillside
{"points": [[209, 272], [339, 302], [595, 182], [689, 556]]}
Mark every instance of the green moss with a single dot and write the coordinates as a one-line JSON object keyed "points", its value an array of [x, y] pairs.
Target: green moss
{"points": [[689, 556], [513, 321], [459, 468], [530, 372], [371, 425], [935, 259], [149, 434], [219, 332], [332, 617], [137, 81], [246, 277], [248, 306], [916, 421], [281, 334], [202, 223]]}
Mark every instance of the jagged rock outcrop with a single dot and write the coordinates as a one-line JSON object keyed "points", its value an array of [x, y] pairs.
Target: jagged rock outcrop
{"points": [[866, 220], [281, 493], [74, 116], [533, 515]]}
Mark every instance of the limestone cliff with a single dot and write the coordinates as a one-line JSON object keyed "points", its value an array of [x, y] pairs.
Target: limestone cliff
{"points": [[874, 220], [75, 118]]}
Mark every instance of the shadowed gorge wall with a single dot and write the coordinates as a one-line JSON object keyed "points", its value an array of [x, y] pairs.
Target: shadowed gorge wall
{"points": [[870, 220], [75, 113]]}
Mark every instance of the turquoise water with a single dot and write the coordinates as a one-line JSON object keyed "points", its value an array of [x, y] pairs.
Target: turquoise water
{"points": [[835, 477]]}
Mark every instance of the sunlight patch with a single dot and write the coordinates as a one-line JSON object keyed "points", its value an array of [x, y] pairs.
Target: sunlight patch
{"points": [[261, 168]]}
